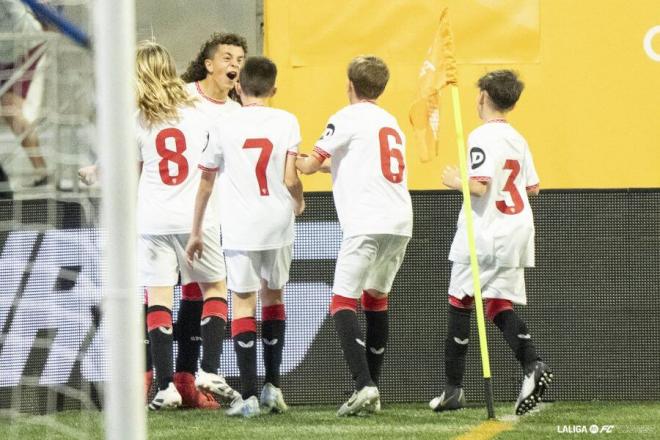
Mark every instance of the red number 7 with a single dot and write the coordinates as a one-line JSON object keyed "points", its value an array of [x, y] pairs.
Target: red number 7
{"points": [[260, 170]]}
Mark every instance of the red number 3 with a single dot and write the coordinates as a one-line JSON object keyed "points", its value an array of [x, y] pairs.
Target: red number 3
{"points": [[264, 156], [510, 187], [387, 153], [172, 156]]}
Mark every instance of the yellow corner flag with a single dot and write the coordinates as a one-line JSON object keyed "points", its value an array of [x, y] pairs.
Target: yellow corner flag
{"points": [[438, 71]]}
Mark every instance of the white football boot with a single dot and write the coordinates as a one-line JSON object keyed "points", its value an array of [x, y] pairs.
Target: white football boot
{"points": [[272, 399], [360, 400], [244, 408], [167, 398], [216, 384]]}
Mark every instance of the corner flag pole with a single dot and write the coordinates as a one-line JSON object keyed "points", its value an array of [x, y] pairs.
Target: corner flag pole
{"points": [[467, 205]]}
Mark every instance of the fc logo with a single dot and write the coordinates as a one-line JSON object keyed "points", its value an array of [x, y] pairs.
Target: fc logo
{"points": [[477, 157]]}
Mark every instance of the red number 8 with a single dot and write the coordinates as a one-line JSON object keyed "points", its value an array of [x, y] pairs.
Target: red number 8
{"points": [[172, 156]]}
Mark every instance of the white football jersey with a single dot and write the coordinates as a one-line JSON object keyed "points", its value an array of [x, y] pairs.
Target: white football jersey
{"points": [[170, 177], [212, 108], [254, 142], [503, 221], [369, 176]]}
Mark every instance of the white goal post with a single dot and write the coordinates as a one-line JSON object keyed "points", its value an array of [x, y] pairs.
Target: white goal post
{"points": [[114, 49]]}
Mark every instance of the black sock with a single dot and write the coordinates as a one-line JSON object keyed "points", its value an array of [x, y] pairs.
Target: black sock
{"points": [[272, 333], [159, 320], [517, 336], [456, 344], [213, 324], [350, 338], [244, 332], [149, 363], [188, 335], [377, 335]]}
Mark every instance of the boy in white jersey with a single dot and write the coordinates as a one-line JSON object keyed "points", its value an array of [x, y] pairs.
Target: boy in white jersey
{"points": [[502, 175], [210, 77], [171, 134], [256, 155], [369, 184]]}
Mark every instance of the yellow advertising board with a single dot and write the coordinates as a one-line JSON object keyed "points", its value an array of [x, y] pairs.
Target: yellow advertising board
{"points": [[590, 110]]}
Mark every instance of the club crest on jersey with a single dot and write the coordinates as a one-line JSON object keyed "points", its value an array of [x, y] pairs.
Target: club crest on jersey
{"points": [[477, 157], [329, 131]]}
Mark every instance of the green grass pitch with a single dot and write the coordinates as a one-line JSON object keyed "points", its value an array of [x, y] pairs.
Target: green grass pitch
{"points": [[615, 420]]}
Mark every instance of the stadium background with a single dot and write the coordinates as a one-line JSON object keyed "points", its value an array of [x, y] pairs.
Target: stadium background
{"points": [[589, 113]]}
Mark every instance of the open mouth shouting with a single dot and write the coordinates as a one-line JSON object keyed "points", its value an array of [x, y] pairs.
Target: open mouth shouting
{"points": [[232, 75]]}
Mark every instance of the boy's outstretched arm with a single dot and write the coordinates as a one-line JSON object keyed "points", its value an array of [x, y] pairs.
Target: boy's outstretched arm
{"points": [[309, 164], [293, 184], [195, 245], [451, 178]]}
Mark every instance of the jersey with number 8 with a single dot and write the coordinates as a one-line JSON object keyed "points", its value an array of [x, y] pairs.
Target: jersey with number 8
{"points": [[254, 142], [369, 174], [503, 221], [168, 184]]}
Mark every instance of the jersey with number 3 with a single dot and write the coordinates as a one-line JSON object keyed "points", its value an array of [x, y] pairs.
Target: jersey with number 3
{"points": [[369, 176], [170, 177], [254, 142], [503, 221]]}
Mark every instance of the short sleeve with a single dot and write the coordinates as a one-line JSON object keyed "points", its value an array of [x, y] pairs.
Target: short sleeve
{"points": [[294, 138], [212, 151], [481, 164], [336, 136], [531, 177]]}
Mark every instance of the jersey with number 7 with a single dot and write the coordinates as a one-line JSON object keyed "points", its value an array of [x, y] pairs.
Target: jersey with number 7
{"points": [[369, 175], [503, 221], [254, 142], [168, 184]]}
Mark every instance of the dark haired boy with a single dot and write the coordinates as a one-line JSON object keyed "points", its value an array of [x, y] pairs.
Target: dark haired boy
{"points": [[369, 184], [502, 175], [211, 76], [255, 157]]}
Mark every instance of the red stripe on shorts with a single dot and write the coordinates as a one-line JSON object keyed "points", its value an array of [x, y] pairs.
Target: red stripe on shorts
{"points": [[466, 303], [495, 306]]}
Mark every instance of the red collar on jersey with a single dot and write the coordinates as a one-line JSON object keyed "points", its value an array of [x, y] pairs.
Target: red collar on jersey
{"points": [[499, 120], [201, 92]]}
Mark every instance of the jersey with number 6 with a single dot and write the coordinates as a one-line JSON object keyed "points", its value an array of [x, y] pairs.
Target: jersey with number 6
{"points": [[254, 142], [369, 176], [503, 221], [170, 178]]}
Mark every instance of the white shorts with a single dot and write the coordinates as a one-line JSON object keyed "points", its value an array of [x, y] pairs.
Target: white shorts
{"points": [[368, 262], [246, 269], [162, 257], [496, 282]]}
